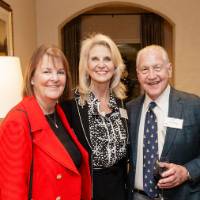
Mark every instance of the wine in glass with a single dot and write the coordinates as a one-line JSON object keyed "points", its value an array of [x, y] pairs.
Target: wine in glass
{"points": [[158, 170]]}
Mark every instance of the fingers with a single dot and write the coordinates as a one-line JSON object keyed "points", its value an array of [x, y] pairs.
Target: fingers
{"points": [[170, 170], [164, 164], [173, 176]]}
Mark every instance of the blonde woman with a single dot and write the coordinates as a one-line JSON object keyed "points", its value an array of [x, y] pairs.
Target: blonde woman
{"points": [[98, 116]]}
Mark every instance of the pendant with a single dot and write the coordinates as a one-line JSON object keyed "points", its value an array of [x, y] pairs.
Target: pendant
{"points": [[55, 125]]}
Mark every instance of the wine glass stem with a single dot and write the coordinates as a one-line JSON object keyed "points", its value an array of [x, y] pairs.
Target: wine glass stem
{"points": [[161, 195]]}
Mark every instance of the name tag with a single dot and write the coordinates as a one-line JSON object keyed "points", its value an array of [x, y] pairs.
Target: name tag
{"points": [[123, 113], [173, 123]]}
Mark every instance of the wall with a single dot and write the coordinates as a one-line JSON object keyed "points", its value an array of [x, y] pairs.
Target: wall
{"points": [[24, 28], [127, 33], [183, 16]]}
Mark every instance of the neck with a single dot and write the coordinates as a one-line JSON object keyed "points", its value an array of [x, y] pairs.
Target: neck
{"points": [[102, 96], [47, 107], [101, 92]]}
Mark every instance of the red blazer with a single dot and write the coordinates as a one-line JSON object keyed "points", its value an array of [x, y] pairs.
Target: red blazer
{"points": [[55, 177]]}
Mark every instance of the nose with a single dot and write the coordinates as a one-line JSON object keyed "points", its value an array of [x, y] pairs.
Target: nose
{"points": [[101, 64], [151, 74], [54, 76]]}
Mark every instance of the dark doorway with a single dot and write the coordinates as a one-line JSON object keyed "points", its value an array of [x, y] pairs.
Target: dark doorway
{"points": [[128, 26], [129, 52]]}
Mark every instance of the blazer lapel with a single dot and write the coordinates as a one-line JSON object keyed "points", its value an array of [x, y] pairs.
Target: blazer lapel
{"points": [[47, 141], [83, 117], [134, 120], [175, 111], [44, 137]]}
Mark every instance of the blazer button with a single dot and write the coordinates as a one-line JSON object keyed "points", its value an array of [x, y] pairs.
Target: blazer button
{"points": [[59, 176], [58, 198]]}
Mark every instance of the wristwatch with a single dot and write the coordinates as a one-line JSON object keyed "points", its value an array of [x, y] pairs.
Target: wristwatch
{"points": [[188, 176]]}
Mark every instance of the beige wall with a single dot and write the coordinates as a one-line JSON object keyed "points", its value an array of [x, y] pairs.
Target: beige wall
{"points": [[186, 30], [114, 26], [24, 28], [51, 15]]}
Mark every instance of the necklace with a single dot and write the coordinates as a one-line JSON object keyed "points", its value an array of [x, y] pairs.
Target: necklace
{"points": [[52, 119]]}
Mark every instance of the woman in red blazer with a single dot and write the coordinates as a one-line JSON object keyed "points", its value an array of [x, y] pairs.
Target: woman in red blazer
{"points": [[36, 139]]}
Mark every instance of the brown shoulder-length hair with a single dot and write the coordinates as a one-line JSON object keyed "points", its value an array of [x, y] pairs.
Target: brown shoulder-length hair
{"points": [[35, 61]]}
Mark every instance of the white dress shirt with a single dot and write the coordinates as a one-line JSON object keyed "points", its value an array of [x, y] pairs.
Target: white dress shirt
{"points": [[161, 112]]}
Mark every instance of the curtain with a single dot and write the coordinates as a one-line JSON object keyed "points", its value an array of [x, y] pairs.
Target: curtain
{"points": [[152, 29], [71, 46]]}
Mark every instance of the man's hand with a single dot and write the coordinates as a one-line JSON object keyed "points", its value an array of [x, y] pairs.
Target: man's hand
{"points": [[173, 176]]}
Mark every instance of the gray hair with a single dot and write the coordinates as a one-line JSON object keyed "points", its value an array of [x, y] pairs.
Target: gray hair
{"points": [[152, 48]]}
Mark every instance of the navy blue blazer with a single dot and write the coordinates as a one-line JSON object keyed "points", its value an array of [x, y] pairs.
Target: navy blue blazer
{"points": [[181, 146]]}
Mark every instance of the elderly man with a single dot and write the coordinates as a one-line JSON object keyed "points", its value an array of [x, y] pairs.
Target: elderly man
{"points": [[164, 128]]}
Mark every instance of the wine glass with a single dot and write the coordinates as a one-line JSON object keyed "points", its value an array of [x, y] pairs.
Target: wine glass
{"points": [[157, 171]]}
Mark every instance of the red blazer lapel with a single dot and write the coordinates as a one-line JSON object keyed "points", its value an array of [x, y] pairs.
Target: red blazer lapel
{"points": [[71, 133], [47, 141], [44, 137]]}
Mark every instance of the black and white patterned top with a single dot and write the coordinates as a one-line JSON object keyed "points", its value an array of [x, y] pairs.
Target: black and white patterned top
{"points": [[108, 135]]}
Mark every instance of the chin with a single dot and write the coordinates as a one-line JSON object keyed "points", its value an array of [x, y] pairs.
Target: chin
{"points": [[154, 95], [102, 81], [54, 97]]}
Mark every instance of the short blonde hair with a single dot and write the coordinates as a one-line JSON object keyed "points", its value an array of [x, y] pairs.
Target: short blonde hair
{"points": [[151, 48], [116, 86], [35, 61]]}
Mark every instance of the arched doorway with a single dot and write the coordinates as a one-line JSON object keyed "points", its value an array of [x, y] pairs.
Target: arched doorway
{"points": [[129, 26]]}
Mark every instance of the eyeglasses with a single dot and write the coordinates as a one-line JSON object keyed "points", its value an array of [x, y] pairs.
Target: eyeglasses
{"points": [[146, 69]]}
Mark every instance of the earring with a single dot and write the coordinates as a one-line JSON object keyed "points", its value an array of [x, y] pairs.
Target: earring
{"points": [[32, 82]]}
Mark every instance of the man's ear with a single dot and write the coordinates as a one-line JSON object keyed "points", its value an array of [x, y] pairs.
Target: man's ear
{"points": [[169, 68]]}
